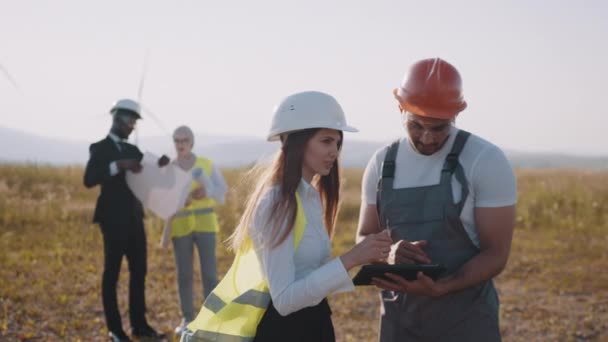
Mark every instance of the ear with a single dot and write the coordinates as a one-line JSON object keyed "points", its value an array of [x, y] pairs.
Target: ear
{"points": [[115, 119], [397, 98]]}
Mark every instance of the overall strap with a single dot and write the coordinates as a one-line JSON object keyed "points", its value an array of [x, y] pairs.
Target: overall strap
{"points": [[385, 182], [451, 166]]}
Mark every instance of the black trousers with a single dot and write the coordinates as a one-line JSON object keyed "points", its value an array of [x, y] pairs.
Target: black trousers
{"points": [[130, 241], [306, 325]]}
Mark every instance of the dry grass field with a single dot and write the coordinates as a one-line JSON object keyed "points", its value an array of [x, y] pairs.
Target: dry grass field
{"points": [[555, 287]]}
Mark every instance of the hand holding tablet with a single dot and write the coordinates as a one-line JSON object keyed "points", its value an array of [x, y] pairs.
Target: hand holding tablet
{"points": [[407, 271]]}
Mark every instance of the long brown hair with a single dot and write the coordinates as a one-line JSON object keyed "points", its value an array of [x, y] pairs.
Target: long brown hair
{"points": [[286, 172]]}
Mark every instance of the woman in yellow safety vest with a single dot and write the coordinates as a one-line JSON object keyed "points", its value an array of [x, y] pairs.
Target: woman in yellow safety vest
{"points": [[283, 270], [196, 224]]}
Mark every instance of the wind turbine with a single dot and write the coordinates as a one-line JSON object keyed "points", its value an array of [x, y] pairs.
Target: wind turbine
{"points": [[10, 78], [144, 109]]}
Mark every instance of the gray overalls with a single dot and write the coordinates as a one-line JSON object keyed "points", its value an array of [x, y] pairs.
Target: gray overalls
{"points": [[429, 213]]}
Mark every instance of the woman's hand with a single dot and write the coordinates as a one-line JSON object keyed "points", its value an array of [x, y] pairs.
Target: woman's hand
{"points": [[406, 252], [199, 193], [374, 248]]}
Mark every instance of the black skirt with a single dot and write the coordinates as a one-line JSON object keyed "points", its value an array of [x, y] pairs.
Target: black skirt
{"points": [[305, 325]]}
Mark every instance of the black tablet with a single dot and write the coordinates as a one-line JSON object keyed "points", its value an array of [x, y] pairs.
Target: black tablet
{"points": [[409, 272]]}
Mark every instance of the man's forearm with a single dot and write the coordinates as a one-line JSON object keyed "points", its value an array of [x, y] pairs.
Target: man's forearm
{"points": [[484, 266], [95, 173], [368, 221], [360, 236]]}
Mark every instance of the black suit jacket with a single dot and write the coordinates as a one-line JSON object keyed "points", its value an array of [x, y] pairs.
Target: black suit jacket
{"points": [[116, 204]]}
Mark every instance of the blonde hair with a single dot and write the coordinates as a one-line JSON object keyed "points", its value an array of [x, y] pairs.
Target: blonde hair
{"points": [[184, 130]]}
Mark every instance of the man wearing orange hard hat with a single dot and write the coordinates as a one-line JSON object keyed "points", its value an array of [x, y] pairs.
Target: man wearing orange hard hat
{"points": [[448, 198]]}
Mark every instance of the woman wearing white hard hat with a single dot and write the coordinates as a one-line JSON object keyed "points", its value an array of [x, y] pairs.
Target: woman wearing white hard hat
{"points": [[283, 270]]}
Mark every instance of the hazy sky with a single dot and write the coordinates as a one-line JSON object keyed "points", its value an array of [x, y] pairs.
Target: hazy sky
{"points": [[535, 73]]}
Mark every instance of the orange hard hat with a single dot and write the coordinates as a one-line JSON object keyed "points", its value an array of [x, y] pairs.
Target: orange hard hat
{"points": [[432, 88]]}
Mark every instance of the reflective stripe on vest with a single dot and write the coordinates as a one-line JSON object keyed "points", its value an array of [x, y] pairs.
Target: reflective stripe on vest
{"points": [[199, 211], [233, 310], [252, 297], [205, 336]]}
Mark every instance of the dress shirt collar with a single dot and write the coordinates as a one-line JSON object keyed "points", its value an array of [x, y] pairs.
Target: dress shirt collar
{"points": [[307, 190], [115, 138]]}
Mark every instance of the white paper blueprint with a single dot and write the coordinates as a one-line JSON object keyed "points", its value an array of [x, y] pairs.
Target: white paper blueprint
{"points": [[163, 190]]}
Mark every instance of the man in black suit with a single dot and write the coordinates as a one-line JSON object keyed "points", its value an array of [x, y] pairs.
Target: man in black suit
{"points": [[120, 216]]}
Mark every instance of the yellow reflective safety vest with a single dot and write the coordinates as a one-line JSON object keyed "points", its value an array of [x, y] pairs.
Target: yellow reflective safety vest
{"points": [[233, 310], [200, 215]]}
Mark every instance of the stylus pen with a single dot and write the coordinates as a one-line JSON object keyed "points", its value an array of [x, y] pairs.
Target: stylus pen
{"points": [[388, 228]]}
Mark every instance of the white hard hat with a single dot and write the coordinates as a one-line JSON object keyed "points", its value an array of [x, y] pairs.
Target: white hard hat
{"points": [[309, 109], [126, 104]]}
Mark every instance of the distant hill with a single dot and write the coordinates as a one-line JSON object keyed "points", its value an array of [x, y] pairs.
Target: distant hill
{"points": [[232, 151], [16, 146]]}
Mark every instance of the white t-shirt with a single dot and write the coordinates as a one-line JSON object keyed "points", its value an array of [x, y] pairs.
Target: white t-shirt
{"points": [[491, 180], [300, 278]]}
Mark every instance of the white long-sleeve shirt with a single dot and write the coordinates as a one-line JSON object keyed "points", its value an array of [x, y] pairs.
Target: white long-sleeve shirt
{"points": [[300, 278]]}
